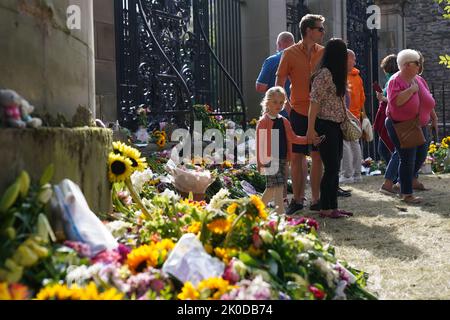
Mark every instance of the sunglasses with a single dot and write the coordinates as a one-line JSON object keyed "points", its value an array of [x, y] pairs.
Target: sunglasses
{"points": [[321, 29]]}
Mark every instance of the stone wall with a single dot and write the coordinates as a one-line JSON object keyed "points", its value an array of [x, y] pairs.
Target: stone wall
{"points": [[42, 59], [428, 32], [78, 154], [105, 60]]}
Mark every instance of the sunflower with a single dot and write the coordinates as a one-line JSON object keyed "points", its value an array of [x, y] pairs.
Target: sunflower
{"points": [[219, 226], [63, 292], [195, 227], [152, 255], [119, 167], [161, 142], [91, 293], [232, 208], [119, 147], [140, 258], [215, 287], [137, 163], [188, 292], [225, 254], [259, 205], [59, 292]]}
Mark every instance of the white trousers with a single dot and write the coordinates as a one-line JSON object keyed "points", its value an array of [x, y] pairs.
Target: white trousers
{"points": [[351, 159]]}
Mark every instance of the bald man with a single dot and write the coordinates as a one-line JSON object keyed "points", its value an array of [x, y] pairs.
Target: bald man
{"points": [[267, 76]]}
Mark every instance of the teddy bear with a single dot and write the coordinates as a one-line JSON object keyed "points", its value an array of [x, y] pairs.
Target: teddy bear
{"points": [[15, 111], [26, 109]]}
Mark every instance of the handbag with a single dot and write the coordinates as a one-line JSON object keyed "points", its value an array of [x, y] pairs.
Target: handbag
{"points": [[351, 130], [410, 132]]}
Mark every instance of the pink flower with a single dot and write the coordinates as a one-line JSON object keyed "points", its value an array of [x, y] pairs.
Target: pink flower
{"points": [[107, 257], [230, 274], [256, 238], [310, 222], [273, 226], [82, 249], [318, 294]]}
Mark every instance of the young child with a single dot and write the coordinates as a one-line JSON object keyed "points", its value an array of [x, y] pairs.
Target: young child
{"points": [[272, 157]]}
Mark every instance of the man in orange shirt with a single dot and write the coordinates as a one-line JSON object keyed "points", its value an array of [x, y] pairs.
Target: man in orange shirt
{"points": [[352, 157], [298, 63]]}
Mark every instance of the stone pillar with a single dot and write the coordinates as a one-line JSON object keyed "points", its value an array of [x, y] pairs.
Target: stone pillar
{"points": [[255, 49], [79, 154], [49, 64], [334, 12], [259, 42]]}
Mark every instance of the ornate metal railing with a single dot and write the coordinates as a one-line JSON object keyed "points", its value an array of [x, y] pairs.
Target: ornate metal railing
{"points": [[364, 43], [174, 53], [295, 10]]}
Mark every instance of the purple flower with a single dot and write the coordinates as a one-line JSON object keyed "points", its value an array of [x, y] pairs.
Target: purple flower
{"points": [[123, 250]]}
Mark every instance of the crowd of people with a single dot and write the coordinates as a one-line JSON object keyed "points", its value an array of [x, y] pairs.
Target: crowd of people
{"points": [[310, 91]]}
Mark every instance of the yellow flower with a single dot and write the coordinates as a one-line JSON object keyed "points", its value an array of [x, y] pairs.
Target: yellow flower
{"points": [[254, 252], [194, 227], [152, 255], [232, 208], [208, 248], [161, 142], [227, 164], [219, 226], [253, 122], [119, 168], [194, 204], [214, 287], [119, 147], [90, 292], [259, 205], [59, 292], [188, 292], [137, 163], [225, 254]]}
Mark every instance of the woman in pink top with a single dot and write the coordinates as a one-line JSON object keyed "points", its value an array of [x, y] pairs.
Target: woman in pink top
{"points": [[408, 95]]}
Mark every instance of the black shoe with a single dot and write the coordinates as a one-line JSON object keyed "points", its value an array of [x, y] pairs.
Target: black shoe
{"points": [[315, 206], [343, 193], [294, 207]]}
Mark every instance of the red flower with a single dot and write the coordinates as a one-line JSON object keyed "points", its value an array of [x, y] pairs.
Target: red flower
{"points": [[318, 294]]}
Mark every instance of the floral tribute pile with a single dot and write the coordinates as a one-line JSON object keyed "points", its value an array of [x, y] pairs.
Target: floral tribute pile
{"points": [[253, 253], [439, 156]]}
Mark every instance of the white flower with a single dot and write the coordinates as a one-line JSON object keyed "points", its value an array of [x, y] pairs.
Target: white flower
{"points": [[266, 236], [118, 228], [339, 293], [81, 274], [45, 193], [327, 269], [170, 195], [216, 201], [138, 178]]}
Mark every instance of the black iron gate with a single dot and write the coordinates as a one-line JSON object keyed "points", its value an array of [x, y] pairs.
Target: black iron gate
{"points": [[295, 10], [364, 42], [172, 54]]}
